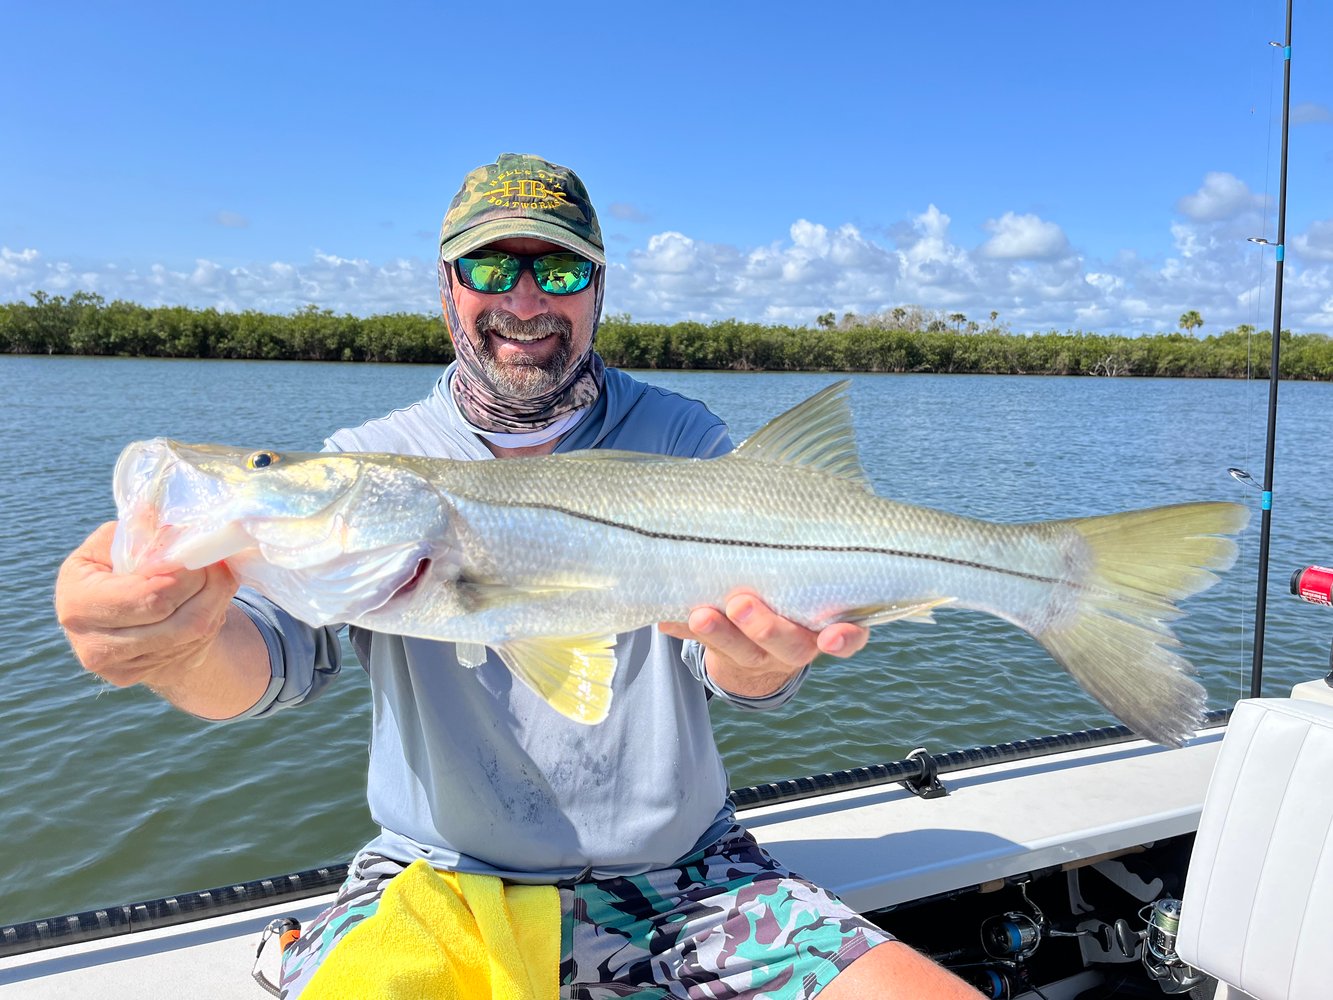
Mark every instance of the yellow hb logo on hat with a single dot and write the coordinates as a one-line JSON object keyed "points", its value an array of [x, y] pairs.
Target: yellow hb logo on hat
{"points": [[532, 193]]}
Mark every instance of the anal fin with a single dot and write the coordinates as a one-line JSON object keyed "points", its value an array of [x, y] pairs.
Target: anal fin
{"points": [[878, 614]]}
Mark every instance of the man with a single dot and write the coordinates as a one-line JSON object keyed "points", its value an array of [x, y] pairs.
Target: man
{"points": [[474, 776]]}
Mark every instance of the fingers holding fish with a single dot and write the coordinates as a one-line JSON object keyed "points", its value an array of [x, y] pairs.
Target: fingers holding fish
{"points": [[781, 638], [124, 627], [90, 594], [124, 657], [843, 639], [753, 651], [138, 654]]}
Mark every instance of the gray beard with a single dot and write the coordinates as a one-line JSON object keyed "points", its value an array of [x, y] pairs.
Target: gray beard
{"points": [[525, 378]]}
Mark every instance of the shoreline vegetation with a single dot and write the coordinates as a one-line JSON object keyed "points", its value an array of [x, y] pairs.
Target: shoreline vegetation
{"points": [[904, 339]]}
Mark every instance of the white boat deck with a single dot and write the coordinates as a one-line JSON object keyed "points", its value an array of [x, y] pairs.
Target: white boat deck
{"points": [[878, 847], [875, 847]]}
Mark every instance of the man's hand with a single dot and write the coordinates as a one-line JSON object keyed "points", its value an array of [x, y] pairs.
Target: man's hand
{"points": [[752, 652], [161, 630]]}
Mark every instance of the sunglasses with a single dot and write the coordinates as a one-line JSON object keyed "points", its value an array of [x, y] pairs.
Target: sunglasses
{"points": [[494, 271]]}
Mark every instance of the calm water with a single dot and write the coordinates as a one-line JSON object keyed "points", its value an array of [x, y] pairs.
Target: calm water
{"points": [[109, 796]]}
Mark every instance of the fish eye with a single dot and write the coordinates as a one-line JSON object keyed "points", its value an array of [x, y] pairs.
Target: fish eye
{"points": [[262, 460]]}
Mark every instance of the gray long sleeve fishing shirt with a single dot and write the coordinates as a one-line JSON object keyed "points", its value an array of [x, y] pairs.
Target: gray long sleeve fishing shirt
{"points": [[471, 770]]}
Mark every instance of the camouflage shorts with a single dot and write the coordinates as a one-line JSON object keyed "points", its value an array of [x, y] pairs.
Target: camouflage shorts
{"points": [[727, 922], [730, 921]]}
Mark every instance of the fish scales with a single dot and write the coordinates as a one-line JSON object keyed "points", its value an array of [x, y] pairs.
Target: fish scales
{"points": [[813, 544]]}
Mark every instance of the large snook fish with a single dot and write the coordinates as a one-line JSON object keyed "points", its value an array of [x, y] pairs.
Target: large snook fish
{"points": [[545, 559]]}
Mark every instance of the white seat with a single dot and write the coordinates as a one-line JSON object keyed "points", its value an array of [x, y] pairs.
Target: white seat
{"points": [[1257, 913]]}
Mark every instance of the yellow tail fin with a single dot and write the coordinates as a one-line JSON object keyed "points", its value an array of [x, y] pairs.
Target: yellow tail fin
{"points": [[1117, 641]]}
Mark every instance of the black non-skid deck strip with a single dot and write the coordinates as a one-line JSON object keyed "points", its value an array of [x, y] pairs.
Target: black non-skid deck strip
{"points": [[111, 921], [795, 789]]}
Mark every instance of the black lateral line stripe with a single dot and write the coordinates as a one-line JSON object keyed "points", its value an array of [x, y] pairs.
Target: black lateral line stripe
{"points": [[667, 536]]}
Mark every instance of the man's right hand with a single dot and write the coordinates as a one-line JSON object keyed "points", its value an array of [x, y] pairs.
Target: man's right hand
{"points": [[162, 630]]}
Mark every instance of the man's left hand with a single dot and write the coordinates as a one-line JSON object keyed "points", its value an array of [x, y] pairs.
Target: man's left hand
{"points": [[752, 652]]}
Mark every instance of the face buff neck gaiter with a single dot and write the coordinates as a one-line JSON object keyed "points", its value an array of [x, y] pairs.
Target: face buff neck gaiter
{"points": [[497, 414]]}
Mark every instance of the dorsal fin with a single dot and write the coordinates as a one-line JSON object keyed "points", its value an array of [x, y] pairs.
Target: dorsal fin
{"points": [[817, 434]]}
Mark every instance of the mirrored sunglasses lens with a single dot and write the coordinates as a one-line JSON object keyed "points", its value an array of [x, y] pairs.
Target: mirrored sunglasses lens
{"points": [[562, 273], [492, 273]]}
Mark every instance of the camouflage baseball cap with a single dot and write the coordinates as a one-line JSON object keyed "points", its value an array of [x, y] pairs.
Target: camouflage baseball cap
{"points": [[521, 195]]}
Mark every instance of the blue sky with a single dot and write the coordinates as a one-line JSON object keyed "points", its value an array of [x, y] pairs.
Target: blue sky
{"points": [[1067, 165]]}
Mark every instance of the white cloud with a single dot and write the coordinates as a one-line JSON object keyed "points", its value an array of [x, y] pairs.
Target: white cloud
{"points": [[329, 281], [1316, 243], [232, 220], [1108, 283], [1024, 237], [1222, 196], [1029, 271], [1091, 317], [13, 263], [667, 253]]}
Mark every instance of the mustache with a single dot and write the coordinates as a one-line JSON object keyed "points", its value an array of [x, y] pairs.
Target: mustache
{"points": [[505, 324]]}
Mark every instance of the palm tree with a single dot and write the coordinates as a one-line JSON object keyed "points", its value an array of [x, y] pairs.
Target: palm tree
{"points": [[1191, 321]]}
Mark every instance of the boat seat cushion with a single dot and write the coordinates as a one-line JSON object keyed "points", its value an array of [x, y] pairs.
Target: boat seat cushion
{"points": [[1258, 905]]}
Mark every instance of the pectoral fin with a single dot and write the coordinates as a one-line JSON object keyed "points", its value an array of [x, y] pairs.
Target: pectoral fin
{"points": [[573, 675], [878, 614], [470, 654]]}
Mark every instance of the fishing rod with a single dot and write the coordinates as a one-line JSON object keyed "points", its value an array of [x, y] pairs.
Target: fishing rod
{"points": [[1265, 527]]}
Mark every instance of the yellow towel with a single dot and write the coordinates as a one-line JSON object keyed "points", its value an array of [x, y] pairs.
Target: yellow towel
{"points": [[448, 936]]}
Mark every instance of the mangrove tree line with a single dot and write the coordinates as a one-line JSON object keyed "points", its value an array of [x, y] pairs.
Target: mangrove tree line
{"points": [[907, 339]]}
